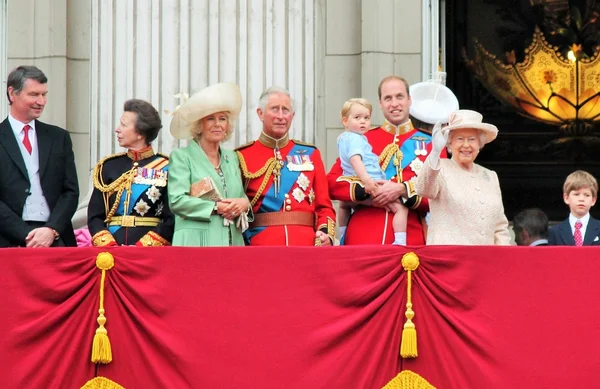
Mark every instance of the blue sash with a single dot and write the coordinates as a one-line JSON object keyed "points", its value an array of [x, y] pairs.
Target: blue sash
{"points": [[272, 202], [408, 148], [136, 191]]}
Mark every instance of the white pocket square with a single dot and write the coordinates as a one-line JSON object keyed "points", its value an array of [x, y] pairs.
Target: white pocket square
{"points": [[596, 239]]}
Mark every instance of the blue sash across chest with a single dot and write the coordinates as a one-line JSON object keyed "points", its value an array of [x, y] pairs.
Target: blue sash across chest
{"points": [[274, 202], [408, 150]]}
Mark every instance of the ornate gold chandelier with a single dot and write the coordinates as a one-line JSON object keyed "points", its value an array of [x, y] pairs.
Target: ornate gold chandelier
{"points": [[545, 86]]}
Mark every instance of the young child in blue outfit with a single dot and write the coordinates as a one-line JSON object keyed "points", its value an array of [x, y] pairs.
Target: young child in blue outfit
{"points": [[358, 160]]}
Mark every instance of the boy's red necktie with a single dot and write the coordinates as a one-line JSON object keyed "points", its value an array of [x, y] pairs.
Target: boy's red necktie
{"points": [[577, 234]]}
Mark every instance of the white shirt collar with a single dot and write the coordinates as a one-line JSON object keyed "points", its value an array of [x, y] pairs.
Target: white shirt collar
{"points": [[584, 221], [17, 126], [539, 242]]}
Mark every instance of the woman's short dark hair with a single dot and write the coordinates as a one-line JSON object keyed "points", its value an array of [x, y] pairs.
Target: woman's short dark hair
{"points": [[148, 121]]}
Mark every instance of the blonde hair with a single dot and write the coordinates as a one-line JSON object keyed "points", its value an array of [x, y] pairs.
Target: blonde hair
{"points": [[358, 100], [195, 129], [580, 179]]}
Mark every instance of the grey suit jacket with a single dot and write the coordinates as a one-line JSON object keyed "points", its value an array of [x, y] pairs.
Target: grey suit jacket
{"points": [[57, 175]]}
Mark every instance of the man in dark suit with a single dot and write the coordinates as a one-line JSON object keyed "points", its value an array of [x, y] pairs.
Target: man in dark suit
{"points": [[38, 181], [531, 228]]}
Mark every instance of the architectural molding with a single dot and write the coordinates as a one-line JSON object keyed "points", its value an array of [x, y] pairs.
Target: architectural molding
{"points": [[156, 49], [432, 15]]}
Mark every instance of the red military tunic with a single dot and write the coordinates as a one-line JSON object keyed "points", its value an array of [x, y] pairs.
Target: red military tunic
{"points": [[288, 192], [407, 151]]}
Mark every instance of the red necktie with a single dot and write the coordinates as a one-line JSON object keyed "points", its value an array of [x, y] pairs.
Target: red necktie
{"points": [[26, 141], [577, 234]]}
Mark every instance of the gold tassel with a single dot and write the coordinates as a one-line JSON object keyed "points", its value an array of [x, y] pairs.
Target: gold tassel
{"points": [[101, 383], [101, 349], [408, 345], [407, 379]]}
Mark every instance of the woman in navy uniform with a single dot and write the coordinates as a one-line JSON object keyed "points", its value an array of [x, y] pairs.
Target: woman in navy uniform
{"points": [[129, 204]]}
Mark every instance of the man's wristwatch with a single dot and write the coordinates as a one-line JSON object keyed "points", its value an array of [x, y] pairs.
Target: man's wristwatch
{"points": [[56, 234]]}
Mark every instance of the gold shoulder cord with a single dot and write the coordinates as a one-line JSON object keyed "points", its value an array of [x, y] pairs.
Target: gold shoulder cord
{"points": [[118, 185], [386, 156], [270, 166]]}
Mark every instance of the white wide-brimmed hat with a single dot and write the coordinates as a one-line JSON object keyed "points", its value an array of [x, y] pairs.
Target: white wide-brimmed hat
{"points": [[466, 118], [432, 102], [222, 97]]}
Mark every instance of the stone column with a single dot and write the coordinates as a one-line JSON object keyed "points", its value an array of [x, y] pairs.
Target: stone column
{"points": [[53, 35], [155, 49], [3, 56], [366, 41]]}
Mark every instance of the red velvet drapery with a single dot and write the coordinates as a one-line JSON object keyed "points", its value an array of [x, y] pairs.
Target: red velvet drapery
{"points": [[486, 317]]}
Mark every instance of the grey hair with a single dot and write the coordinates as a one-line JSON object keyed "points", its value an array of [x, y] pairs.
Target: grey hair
{"points": [[482, 138], [18, 76], [274, 90]]}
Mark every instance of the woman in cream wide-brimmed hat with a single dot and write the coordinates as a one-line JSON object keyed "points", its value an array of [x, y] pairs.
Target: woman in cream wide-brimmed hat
{"points": [[464, 198], [205, 185]]}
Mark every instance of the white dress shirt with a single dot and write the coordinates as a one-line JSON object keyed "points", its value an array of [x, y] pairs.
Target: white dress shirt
{"points": [[584, 223], [36, 207]]}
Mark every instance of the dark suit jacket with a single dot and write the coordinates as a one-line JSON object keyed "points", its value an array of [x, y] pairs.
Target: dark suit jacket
{"points": [[561, 234], [57, 175]]}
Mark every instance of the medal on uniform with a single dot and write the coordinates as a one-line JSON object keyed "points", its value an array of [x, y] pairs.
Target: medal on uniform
{"points": [[416, 165], [311, 196], [303, 181], [300, 163], [420, 148], [298, 195], [277, 170]]}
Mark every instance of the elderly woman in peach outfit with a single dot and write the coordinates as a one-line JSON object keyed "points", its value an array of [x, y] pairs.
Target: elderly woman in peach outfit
{"points": [[464, 198]]}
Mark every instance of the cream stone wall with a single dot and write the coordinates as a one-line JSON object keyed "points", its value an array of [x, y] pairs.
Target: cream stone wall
{"points": [[366, 41], [97, 54], [54, 36]]}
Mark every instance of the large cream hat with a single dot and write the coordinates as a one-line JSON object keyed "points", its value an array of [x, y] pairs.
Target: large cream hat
{"points": [[465, 118], [222, 97], [432, 102]]}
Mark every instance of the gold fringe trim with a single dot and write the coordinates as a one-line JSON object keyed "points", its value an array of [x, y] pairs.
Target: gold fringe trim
{"points": [[408, 380], [103, 238], [101, 349], [152, 239], [408, 345], [101, 383]]}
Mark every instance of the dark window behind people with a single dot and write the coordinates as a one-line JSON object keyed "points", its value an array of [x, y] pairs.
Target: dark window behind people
{"points": [[38, 181], [531, 228]]}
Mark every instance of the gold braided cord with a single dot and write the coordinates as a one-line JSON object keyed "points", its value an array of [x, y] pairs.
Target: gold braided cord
{"points": [[268, 169], [408, 345], [386, 155], [407, 379], [101, 347], [124, 181], [246, 173]]}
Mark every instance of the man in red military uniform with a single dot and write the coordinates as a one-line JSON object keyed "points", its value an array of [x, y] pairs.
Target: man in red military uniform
{"points": [[285, 181], [402, 149]]}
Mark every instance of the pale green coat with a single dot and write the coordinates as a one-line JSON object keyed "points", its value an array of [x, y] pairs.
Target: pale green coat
{"points": [[194, 223]]}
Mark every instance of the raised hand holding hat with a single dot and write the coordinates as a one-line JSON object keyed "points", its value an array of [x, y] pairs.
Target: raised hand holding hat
{"points": [[432, 102]]}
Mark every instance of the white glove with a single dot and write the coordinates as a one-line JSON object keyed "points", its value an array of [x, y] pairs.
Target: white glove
{"points": [[439, 141]]}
